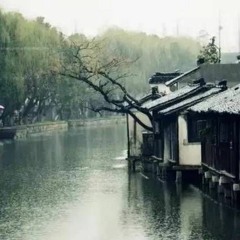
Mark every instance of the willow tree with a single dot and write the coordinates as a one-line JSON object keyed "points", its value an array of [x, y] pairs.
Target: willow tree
{"points": [[11, 81], [87, 62], [40, 56]]}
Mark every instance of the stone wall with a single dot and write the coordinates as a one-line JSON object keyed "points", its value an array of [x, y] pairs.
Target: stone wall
{"points": [[24, 131], [96, 122], [38, 128]]}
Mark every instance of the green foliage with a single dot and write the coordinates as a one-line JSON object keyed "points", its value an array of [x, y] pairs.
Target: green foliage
{"points": [[153, 54], [28, 55], [31, 52], [210, 52]]}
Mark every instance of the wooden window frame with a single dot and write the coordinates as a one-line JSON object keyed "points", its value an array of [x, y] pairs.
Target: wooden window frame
{"points": [[195, 128]]}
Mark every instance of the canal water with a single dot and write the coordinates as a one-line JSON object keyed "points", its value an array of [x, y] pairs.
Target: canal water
{"points": [[76, 186]]}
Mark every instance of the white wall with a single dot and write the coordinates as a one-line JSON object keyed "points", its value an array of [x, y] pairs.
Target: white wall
{"points": [[162, 88], [135, 148], [189, 153]]}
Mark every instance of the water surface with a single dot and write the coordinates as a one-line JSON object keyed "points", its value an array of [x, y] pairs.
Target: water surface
{"points": [[75, 185]]}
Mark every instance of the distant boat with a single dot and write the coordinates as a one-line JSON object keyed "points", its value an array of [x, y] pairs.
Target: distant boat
{"points": [[7, 132]]}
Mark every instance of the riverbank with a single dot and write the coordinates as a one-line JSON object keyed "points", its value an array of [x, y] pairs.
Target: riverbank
{"points": [[23, 131], [95, 122]]}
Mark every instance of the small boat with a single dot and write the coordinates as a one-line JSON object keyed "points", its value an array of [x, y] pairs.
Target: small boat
{"points": [[7, 132]]}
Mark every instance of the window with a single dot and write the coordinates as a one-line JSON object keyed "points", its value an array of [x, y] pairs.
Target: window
{"points": [[223, 136], [196, 129]]}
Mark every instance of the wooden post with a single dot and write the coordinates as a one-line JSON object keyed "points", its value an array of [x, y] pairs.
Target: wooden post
{"points": [[128, 137], [220, 188], [158, 170], [225, 184], [134, 165], [164, 173], [236, 191], [153, 167], [178, 177], [206, 177], [214, 182], [227, 191], [131, 165]]}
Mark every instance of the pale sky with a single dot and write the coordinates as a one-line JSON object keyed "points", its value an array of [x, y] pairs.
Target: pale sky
{"points": [[161, 17]]}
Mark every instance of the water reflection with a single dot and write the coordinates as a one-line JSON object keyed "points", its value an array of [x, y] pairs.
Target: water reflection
{"points": [[221, 220], [172, 211], [76, 185], [164, 211]]}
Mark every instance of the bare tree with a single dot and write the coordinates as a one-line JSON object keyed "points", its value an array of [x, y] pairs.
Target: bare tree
{"points": [[87, 62]]}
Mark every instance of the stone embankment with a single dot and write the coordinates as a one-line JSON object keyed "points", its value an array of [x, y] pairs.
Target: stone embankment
{"points": [[24, 131], [96, 122]]}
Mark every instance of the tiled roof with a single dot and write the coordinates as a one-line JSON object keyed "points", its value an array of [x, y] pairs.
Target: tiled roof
{"points": [[190, 101], [144, 100], [226, 102], [173, 96], [148, 97], [162, 77]]}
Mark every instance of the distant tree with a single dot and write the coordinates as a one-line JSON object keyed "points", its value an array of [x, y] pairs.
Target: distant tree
{"points": [[209, 53], [31, 51], [155, 53]]}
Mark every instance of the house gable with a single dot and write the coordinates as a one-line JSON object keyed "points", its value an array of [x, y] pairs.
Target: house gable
{"points": [[159, 78]]}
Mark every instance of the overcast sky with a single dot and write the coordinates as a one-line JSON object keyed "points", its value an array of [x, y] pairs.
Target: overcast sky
{"points": [[169, 17]]}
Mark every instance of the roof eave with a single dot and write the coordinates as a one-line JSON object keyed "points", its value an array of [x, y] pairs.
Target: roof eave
{"points": [[184, 107], [178, 78], [172, 101]]}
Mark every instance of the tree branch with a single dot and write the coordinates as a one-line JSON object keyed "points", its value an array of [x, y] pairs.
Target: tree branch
{"points": [[85, 65]]}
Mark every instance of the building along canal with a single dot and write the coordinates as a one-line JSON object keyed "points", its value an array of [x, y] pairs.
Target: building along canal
{"points": [[76, 185]]}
